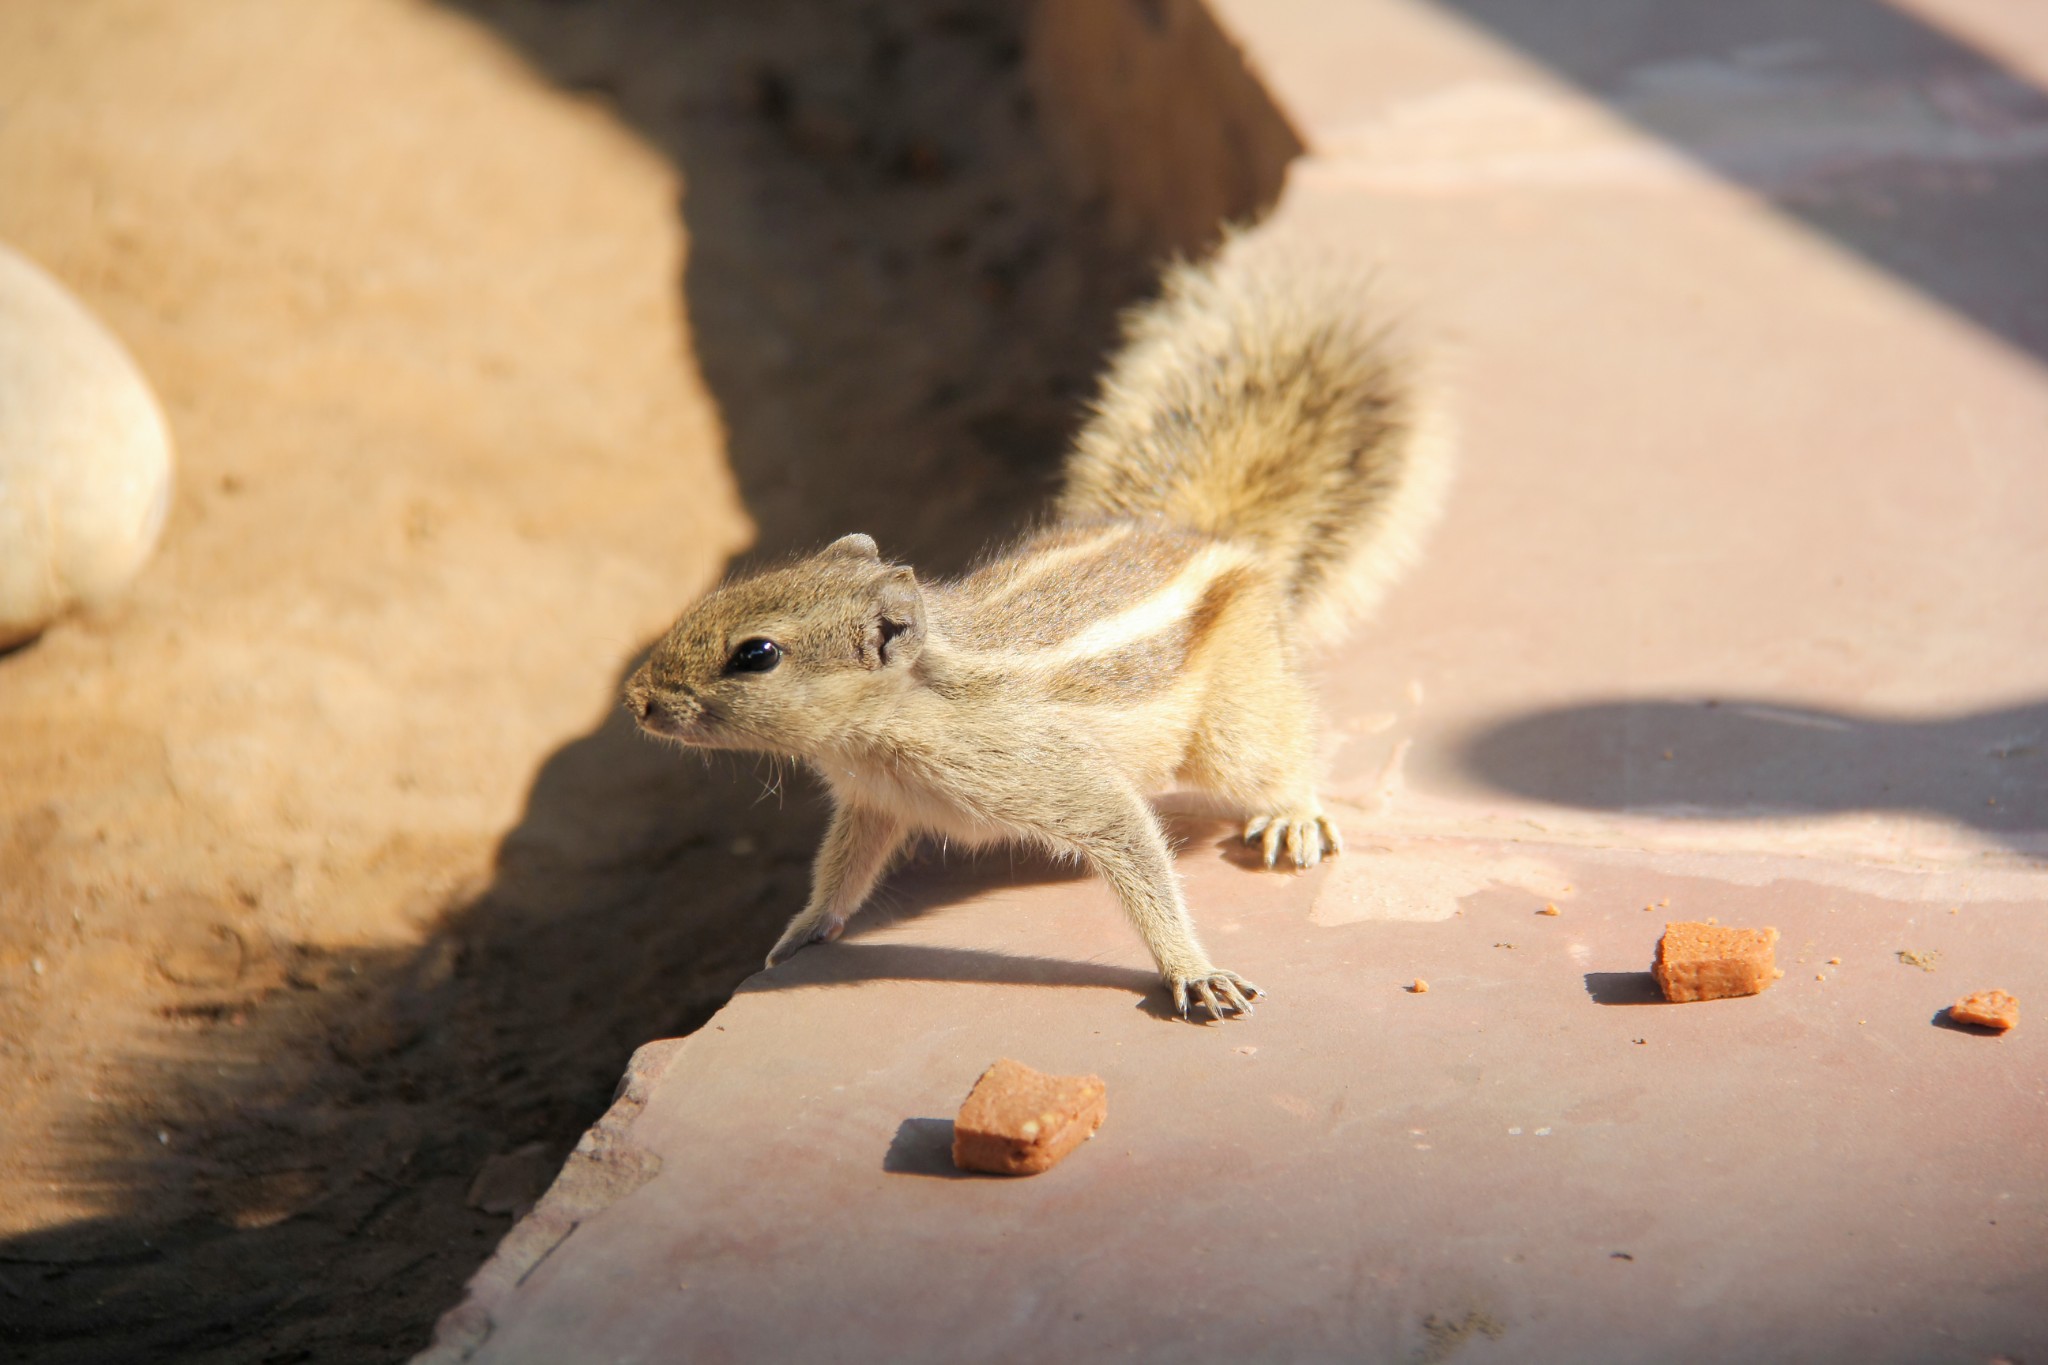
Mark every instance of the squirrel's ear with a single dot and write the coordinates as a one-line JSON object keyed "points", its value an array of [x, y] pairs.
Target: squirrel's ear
{"points": [[895, 629], [855, 546]]}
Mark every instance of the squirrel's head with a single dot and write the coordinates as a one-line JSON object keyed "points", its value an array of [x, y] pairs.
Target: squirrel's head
{"points": [[788, 661]]}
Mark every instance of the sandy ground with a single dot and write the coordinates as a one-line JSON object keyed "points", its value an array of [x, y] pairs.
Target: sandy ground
{"points": [[489, 333]]}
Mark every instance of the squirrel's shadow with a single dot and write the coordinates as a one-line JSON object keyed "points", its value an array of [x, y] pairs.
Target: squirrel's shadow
{"points": [[933, 880], [850, 962]]}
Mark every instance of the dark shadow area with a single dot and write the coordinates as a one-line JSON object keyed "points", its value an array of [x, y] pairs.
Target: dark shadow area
{"points": [[924, 1147], [1623, 988], [897, 308], [1243, 856], [932, 876], [848, 964], [1898, 142], [1745, 758]]}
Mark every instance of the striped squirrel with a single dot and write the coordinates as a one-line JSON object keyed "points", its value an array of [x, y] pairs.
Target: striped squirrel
{"points": [[1256, 469]]}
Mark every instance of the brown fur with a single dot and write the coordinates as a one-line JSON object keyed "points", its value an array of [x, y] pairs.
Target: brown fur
{"points": [[1254, 469]]}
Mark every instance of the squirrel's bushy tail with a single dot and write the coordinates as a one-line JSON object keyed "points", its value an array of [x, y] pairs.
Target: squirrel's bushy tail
{"points": [[1256, 400]]}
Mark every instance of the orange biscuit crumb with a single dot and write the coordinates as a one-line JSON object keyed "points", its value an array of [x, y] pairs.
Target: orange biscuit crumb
{"points": [[1548, 910], [1707, 962], [1420, 987], [1986, 1009], [1017, 1121]]}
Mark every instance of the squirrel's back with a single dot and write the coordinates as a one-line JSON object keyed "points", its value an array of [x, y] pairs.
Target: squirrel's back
{"points": [[1256, 400]]}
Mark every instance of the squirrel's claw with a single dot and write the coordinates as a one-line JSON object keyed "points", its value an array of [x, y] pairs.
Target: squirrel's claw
{"points": [[1232, 989], [1306, 839]]}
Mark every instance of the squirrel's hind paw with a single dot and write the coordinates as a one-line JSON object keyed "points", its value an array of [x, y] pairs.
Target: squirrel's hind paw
{"points": [[1306, 838], [1232, 989]]}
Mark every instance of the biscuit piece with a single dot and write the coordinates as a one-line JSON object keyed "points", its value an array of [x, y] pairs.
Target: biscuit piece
{"points": [[1017, 1121], [1986, 1009], [1712, 962]]}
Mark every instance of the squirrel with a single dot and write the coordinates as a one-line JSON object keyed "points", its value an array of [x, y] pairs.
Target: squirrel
{"points": [[1256, 469]]}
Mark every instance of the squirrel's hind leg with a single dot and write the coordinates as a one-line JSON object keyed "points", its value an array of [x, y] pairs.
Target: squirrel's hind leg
{"points": [[1256, 748]]}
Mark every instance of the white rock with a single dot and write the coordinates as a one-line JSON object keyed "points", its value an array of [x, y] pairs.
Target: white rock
{"points": [[85, 456]]}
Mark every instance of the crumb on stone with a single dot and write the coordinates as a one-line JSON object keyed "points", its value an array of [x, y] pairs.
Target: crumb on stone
{"points": [[1986, 1009]]}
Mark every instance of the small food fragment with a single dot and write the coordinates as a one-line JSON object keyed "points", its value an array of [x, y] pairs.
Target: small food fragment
{"points": [[1017, 1121], [1923, 958], [1420, 987], [1986, 1009], [1834, 962], [1708, 962], [1548, 910]]}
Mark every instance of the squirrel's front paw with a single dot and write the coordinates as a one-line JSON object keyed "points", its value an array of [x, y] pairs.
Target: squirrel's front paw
{"points": [[802, 932], [1208, 986], [1305, 836]]}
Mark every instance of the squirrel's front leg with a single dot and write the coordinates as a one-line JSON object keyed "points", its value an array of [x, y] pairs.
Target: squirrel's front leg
{"points": [[859, 845], [1118, 833]]}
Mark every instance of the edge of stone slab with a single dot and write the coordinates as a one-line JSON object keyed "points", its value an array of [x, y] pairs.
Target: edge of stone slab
{"points": [[604, 1168]]}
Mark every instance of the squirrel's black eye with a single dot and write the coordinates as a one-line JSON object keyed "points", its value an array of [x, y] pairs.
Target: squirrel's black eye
{"points": [[754, 656]]}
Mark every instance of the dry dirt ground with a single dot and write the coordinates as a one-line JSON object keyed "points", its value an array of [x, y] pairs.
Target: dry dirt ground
{"points": [[489, 334]]}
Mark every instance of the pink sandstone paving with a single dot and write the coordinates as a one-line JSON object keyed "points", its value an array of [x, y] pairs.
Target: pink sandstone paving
{"points": [[1817, 1172], [1739, 606]]}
